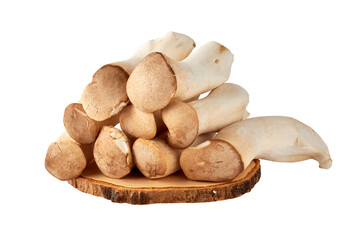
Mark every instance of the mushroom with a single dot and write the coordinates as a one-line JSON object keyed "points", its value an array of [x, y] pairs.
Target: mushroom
{"points": [[156, 159], [65, 159], [275, 138], [139, 124], [158, 78], [224, 105], [106, 95], [81, 127], [112, 152]]}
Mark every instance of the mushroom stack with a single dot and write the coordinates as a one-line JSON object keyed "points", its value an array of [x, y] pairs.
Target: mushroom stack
{"points": [[165, 127]]}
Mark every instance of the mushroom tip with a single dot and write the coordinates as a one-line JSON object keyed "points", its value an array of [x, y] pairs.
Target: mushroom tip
{"points": [[214, 160], [326, 164]]}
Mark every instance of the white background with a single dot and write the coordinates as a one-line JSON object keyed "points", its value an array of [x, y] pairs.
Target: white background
{"points": [[295, 58]]}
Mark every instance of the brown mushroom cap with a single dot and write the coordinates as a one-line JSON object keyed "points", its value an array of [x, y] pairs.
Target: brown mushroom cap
{"points": [[112, 153], [153, 77], [65, 160], [149, 157], [182, 123], [214, 160], [106, 95], [137, 123], [79, 125]]}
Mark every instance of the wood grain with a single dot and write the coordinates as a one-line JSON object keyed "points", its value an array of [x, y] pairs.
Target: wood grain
{"points": [[176, 188]]}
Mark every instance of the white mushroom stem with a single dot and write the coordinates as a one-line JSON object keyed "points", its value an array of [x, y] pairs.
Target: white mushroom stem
{"points": [[112, 152], [106, 95], [158, 78], [224, 105], [66, 159], [174, 45], [275, 138], [156, 159], [139, 124]]}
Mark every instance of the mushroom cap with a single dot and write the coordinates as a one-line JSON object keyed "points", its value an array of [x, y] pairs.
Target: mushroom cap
{"points": [[79, 125], [182, 123], [214, 160], [152, 84], [106, 95], [65, 160], [112, 153], [137, 123], [149, 158]]}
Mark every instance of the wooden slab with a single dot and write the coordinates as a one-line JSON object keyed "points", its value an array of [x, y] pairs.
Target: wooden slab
{"points": [[176, 188]]}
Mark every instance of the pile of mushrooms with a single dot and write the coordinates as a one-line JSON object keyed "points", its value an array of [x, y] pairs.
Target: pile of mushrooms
{"points": [[166, 128]]}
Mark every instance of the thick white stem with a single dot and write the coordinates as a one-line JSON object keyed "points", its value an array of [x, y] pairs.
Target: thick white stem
{"points": [[224, 105], [275, 138], [174, 45], [205, 69]]}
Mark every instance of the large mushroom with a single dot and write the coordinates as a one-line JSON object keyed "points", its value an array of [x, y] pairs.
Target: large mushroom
{"points": [[158, 78], [66, 159], [275, 138], [224, 105], [106, 95], [112, 152]]}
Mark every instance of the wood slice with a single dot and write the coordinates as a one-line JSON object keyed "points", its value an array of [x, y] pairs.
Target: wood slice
{"points": [[176, 188]]}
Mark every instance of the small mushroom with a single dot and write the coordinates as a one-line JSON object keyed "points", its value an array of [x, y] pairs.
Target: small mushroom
{"points": [[158, 78], [274, 138], [106, 95], [81, 127], [156, 159], [112, 152], [224, 105], [139, 124], [65, 159]]}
